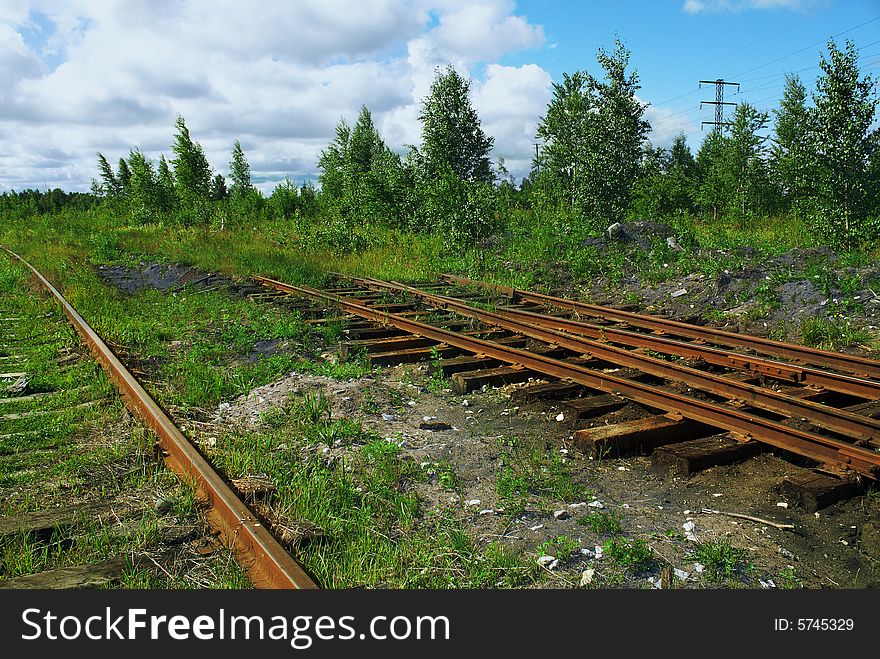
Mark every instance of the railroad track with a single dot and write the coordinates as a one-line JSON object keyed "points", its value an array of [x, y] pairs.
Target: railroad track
{"points": [[266, 562], [714, 395]]}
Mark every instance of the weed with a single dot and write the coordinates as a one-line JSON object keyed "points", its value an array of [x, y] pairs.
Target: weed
{"points": [[831, 334], [789, 580], [602, 522], [720, 558], [631, 554], [562, 547]]}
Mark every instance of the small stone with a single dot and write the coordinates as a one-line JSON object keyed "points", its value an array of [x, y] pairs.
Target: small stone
{"points": [[596, 504], [782, 504], [587, 552], [577, 505], [598, 551], [699, 567], [561, 514], [388, 417], [411, 403], [767, 584], [587, 577], [487, 511], [465, 403], [678, 293], [681, 574], [473, 502], [673, 244], [560, 417], [536, 527]]}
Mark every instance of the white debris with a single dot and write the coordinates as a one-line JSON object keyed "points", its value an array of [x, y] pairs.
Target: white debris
{"points": [[387, 417], [596, 504], [699, 567], [782, 504], [411, 403], [788, 554], [678, 293], [465, 403], [473, 502], [657, 582], [346, 398], [767, 584], [717, 494], [428, 418], [577, 505], [561, 514], [549, 562], [487, 511], [687, 512], [454, 498], [623, 469], [588, 552], [587, 577], [536, 527], [681, 574], [689, 531], [598, 551], [560, 417]]}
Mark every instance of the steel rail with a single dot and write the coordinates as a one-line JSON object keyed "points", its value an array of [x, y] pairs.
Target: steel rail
{"points": [[857, 427], [816, 447], [266, 562], [862, 366]]}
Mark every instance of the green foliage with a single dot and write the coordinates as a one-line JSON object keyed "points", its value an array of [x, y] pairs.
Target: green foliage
{"points": [[593, 134], [842, 149], [632, 554], [602, 521], [192, 175], [239, 172], [452, 137], [561, 547], [789, 154], [720, 558]]}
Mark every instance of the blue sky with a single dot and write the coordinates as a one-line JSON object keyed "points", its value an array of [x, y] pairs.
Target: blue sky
{"points": [[82, 76]]}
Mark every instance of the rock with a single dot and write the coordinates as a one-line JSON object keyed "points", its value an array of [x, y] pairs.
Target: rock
{"points": [[434, 425], [388, 417], [673, 244], [678, 293], [596, 504], [618, 233], [587, 577], [561, 514], [560, 417]]}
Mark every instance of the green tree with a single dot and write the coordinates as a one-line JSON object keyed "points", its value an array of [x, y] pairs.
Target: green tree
{"points": [[593, 132], [843, 145], [745, 159], [192, 173], [451, 131], [333, 163], [714, 186], [142, 188], [109, 183], [165, 186], [123, 175], [789, 153], [239, 172], [218, 188]]}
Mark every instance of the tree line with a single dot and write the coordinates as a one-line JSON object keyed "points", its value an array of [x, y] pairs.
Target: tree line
{"points": [[594, 166]]}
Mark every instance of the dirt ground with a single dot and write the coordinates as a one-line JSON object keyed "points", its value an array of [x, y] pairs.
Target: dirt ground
{"points": [[823, 550]]}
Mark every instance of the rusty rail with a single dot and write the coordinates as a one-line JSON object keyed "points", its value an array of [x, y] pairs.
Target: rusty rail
{"points": [[860, 428], [816, 447], [266, 562], [861, 366]]}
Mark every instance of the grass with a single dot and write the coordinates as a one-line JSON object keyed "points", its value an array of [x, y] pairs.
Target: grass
{"points": [[721, 559], [533, 471], [602, 522], [631, 554], [562, 547], [832, 334]]}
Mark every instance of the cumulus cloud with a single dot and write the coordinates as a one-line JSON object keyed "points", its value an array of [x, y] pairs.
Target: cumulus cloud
{"points": [[712, 6], [89, 75]]}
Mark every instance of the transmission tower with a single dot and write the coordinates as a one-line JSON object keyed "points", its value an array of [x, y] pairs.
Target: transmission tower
{"points": [[718, 102]]}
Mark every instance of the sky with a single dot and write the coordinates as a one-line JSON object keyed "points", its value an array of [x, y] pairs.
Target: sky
{"points": [[79, 77]]}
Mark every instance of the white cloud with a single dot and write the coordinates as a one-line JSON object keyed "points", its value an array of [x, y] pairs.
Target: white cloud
{"points": [[734, 6], [87, 75]]}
